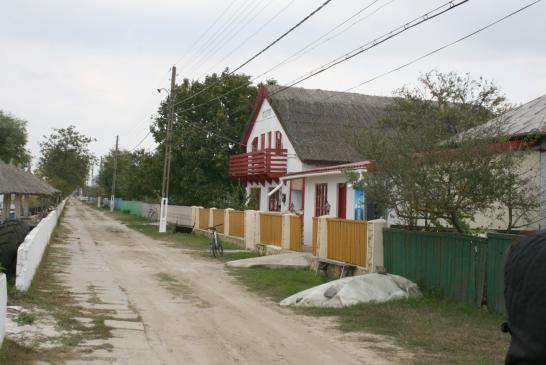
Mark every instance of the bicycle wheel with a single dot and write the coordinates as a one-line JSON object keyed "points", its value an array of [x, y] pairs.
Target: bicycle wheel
{"points": [[220, 249], [213, 251]]}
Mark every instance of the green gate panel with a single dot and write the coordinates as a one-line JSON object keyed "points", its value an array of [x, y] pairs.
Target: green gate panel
{"points": [[498, 243]]}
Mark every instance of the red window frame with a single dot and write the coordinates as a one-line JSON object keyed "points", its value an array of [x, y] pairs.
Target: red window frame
{"points": [[275, 201], [321, 199], [278, 140], [269, 140], [255, 144], [263, 141]]}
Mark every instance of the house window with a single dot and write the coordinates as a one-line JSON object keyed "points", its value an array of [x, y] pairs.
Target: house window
{"points": [[269, 140], [266, 113], [255, 144], [263, 141], [321, 200], [275, 201], [254, 198], [278, 140]]}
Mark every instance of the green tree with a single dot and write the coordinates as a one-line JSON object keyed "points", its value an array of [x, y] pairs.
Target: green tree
{"points": [[65, 159], [138, 175], [205, 135], [425, 166], [13, 139]]}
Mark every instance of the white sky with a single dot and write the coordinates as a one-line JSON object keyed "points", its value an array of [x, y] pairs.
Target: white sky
{"points": [[97, 64]]}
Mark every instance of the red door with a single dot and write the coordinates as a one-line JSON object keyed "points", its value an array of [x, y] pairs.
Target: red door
{"points": [[342, 201], [321, 199]]}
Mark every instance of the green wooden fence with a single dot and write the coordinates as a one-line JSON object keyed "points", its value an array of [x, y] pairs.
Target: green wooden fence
{"points": [[134, 207], [463, 268], [497, 245], [450, 263]]}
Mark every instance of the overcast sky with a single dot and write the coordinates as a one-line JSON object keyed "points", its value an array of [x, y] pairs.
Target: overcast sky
{"points": [[97, 63]]}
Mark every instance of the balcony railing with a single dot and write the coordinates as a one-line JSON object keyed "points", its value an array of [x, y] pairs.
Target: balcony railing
{"points": [[258, 166]]}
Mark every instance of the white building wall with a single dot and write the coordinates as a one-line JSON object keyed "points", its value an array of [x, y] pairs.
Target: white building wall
{"points": [[309, 203]]}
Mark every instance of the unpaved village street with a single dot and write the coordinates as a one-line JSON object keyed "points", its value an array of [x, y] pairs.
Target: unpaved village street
{"points": [[173, 307]]}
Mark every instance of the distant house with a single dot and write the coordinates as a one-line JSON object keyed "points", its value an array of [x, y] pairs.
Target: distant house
{"points": [[527, 120], [294, 140]]}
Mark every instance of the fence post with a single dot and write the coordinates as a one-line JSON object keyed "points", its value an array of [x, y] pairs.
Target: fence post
{"points": [[375, 244], [211, 216], [322, 236], [285, 233], [195, 216], [252, 230], [226, 221]]}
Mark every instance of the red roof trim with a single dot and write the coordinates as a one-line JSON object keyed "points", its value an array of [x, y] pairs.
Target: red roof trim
{"points": [[262, 95], [346, 166]]}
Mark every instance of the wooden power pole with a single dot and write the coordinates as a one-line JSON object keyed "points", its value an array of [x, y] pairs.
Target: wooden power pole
{"points": [[167, 160], [112, 197]]}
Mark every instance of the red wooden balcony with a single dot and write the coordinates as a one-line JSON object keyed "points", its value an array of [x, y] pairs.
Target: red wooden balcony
{"points": [[258, 166]]}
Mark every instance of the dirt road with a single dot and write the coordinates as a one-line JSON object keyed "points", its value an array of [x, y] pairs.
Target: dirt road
{"points": [[172, 307]]}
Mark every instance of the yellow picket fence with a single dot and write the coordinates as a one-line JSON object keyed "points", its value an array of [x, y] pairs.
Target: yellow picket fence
{"points": [[271, 229], [296, 233], [347, 241], [204, 218], [236, 223], [314, 239], [218, 218]]}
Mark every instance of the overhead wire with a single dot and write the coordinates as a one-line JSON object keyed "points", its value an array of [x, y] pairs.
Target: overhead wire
{"points": [[377, 41], [447, 45], [276, 15], [307, 17], [229, 37]]}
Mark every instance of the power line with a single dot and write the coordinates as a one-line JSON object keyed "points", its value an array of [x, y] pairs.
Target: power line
{"points": [[479, 30], [282, 10], [229, 37], [357, 51], [224, 12], [262, 51], [282, 36], [211, 43], [411, 24], [141, 141]]}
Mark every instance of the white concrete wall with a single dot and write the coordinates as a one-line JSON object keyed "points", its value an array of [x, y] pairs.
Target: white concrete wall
{"points": [[3, 305], [30, 252], [179, 214]]}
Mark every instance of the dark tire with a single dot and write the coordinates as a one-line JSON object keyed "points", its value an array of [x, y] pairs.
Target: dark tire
{"points": [[220, 249], [213, 251]]}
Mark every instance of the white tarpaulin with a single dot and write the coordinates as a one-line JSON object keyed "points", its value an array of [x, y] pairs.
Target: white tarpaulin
{"points": [[368, 288]]}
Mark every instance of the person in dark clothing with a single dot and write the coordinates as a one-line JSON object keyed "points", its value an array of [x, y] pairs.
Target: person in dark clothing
{"points": [[525, 297]]}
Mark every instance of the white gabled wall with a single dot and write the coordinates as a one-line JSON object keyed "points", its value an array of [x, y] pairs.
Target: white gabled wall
{"points": [[309, 204], [269, 122]]}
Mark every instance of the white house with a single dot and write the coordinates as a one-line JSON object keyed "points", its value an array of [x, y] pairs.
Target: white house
{"points": [[295, 141]]}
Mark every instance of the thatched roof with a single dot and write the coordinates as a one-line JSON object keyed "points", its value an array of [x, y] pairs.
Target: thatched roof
{"points": [[16, 181], [322, 125]]}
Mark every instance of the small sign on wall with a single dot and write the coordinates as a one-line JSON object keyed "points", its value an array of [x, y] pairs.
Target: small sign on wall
{"points": [[360, 205]]}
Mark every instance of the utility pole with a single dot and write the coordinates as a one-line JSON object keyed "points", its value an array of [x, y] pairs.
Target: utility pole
{"points": [[98, 190], [112, 197], [167, 161]]}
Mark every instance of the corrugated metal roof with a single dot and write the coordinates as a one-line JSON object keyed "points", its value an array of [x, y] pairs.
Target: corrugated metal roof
{"points": [[17, 181], [528, 118]]}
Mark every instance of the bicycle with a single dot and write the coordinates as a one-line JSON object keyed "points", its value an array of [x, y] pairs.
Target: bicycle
{"points": [[216, 248], [152, 215]]}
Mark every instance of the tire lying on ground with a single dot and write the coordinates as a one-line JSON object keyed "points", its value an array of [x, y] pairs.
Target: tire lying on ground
{"points": [[12, 234]]}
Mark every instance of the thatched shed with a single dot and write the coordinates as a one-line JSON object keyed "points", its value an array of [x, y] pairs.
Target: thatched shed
{"points": [[16, 181]]}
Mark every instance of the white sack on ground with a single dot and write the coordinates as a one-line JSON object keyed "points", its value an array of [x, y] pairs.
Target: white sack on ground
{"points": [[368, 288]]}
